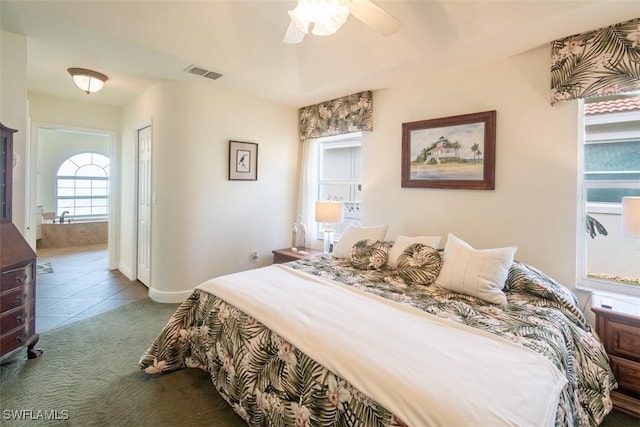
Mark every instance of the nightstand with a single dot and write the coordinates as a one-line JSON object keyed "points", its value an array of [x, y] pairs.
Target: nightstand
{"points": [[287, 254], [618, 325]]}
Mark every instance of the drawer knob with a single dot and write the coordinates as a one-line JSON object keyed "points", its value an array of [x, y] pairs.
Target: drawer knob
{"points": [[19, 279], [20, 318], [20, 299], [19, 339]]}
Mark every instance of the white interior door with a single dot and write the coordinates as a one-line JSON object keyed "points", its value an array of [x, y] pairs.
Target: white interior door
{"points": [[144, 206]]}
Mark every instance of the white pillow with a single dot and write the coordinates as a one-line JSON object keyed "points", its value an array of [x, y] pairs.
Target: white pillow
{"points": [[403, 242], [353, 234], [477, 272]]}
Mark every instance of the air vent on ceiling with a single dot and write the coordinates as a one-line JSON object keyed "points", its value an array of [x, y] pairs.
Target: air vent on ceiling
{"points": [[199, 71]]}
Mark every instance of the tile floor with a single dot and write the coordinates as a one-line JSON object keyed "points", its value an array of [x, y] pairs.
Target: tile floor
{"points": [[80, 286]]}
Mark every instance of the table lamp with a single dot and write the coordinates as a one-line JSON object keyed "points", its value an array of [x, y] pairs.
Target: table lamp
{"points": [[328, 212]]}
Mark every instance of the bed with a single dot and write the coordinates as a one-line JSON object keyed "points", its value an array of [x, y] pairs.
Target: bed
{"points": [[359, 340]]}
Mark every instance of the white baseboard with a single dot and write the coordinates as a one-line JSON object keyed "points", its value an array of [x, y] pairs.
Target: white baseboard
{"points": [[168, 297]]}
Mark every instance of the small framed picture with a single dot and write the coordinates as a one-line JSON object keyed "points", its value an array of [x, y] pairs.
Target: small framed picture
{"points": [[455, 152], [243, 161]]}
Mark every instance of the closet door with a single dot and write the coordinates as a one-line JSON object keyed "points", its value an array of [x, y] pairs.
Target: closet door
{"points": [[144, 206]]}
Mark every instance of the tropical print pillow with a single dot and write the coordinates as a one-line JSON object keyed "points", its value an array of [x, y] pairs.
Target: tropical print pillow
{"points": [[419, 264], [369, 254]]}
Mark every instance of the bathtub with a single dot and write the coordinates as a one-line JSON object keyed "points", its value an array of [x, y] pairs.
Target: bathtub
{"points": [[74, 233]]}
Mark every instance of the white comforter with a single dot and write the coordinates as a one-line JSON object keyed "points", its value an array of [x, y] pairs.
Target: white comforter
{"points": [[426, 370]]}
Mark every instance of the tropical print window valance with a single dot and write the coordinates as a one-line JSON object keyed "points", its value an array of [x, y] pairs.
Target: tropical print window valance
{"points": [[351, 113], [601, 62]]}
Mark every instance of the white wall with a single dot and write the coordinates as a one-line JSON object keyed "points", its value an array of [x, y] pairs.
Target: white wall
{"points": [[534, 202], [13, 114], [204, 225], [72, 113]]}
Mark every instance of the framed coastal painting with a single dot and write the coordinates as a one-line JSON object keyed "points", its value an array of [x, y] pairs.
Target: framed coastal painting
{"points": [[456, 152], [243, 161]]}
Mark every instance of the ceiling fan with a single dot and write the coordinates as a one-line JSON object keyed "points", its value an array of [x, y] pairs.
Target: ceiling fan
{"points": [[327, 16]]}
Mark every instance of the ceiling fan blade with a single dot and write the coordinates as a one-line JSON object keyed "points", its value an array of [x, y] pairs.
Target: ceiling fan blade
{"points": [[373, 16], [293, 35]]}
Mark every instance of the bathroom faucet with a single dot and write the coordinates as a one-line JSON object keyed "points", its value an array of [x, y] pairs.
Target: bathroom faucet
{"points": [[62, 216]]}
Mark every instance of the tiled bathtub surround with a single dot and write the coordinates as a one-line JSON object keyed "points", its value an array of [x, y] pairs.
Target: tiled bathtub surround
{"points": [[73, 234]]}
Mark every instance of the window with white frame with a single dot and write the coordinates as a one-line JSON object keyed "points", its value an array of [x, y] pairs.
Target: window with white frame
{"points": [[610, 171], [82, 186], [339, 171]]}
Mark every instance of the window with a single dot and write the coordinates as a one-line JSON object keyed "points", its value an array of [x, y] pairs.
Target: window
{"points": [[339, 170], [82, 186], [610, 171]]}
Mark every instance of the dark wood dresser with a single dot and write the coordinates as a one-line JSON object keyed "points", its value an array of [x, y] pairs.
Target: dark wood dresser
{"points": [[17, 268], [287, 254], [618, 325]]}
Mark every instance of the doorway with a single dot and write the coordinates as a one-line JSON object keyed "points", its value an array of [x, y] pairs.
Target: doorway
{"points": [[52, 146]]}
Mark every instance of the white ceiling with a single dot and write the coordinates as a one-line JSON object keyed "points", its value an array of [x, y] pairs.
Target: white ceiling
{"points": [[137, 43]]}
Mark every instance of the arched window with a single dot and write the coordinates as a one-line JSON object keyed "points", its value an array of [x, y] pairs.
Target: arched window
{"points": [[82, 186]]}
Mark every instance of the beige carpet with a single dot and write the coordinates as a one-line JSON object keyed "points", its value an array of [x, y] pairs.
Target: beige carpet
{"points": [[88, 376]]}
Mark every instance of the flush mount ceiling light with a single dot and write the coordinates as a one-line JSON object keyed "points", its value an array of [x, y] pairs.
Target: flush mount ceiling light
{"points": [[88, 81]]}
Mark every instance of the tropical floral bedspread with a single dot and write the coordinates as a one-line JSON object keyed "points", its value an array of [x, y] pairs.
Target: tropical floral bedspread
{"points": [[269, 382]]}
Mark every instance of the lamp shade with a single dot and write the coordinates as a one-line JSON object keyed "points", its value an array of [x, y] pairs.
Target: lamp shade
{"points": [[631, 217], [88, 81], [329, 212]]}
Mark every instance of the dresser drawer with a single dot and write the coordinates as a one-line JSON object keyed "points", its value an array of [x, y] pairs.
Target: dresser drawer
{"points": [[15, 278], [12, 299], [13, 319], [12, 340], [627, 372], [282, 258], [624, 340]]}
